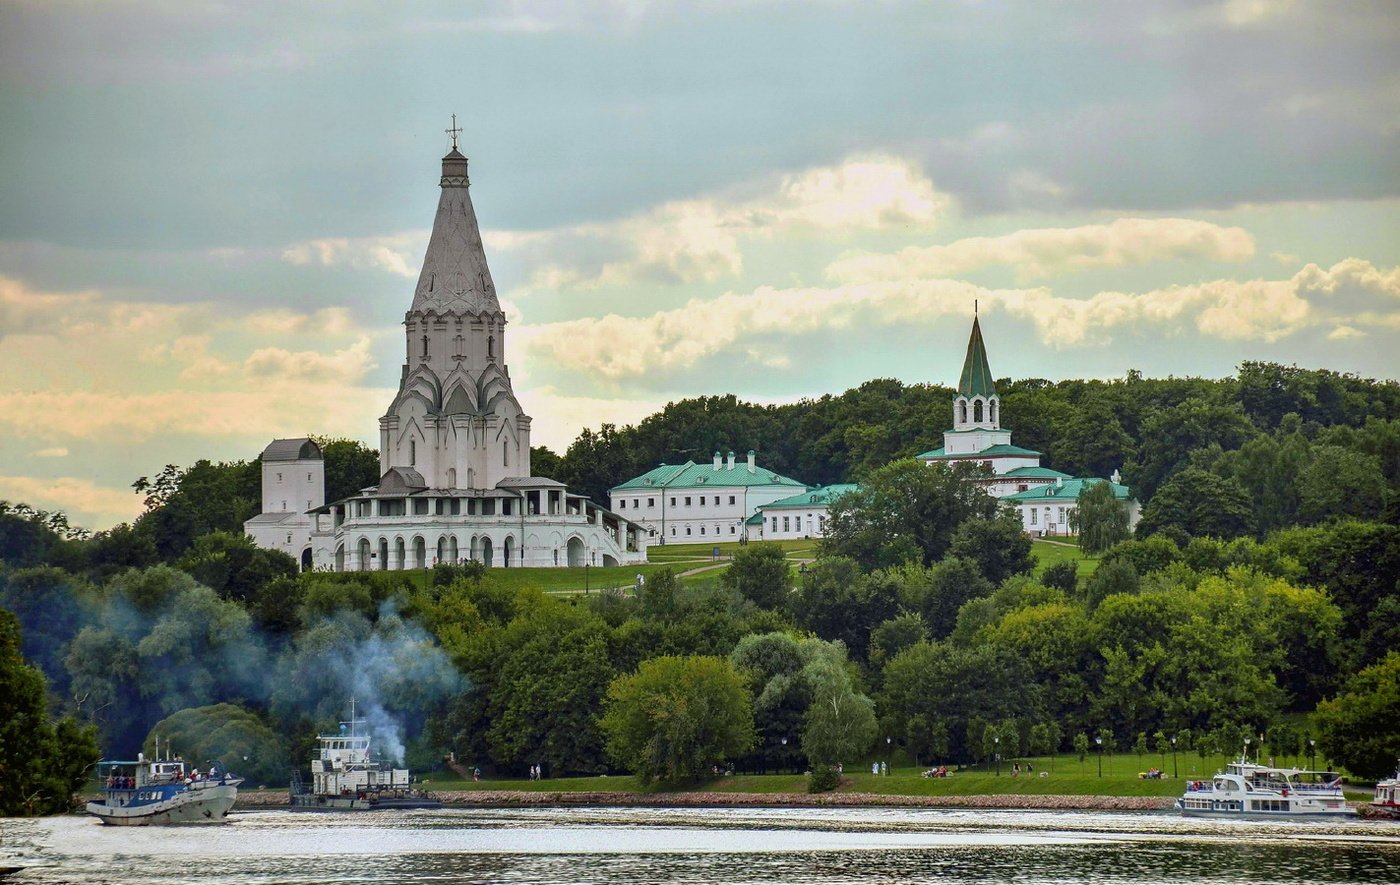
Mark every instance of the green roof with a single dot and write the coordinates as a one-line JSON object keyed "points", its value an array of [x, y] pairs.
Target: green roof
{"points": [[813, 497], [1069, 490], [940, 455], [702, 476], [976, 377], [1036, 473]]}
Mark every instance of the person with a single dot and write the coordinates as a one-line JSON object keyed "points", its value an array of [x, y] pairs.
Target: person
{"points": [[476, 774], [1015, 769], [874, 768], [1029, 768]]}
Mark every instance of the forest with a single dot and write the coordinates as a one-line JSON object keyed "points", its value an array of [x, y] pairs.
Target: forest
{"points": [[1259, 596]]}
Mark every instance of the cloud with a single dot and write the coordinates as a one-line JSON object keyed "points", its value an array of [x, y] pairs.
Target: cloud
{"points": [[348, 365], [400, 254], [25, 310], [1046, 251], [1350, 293], [702, 239], [77, 497], [53, 452]]}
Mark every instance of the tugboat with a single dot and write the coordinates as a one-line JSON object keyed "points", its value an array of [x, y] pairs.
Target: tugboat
{"points": [[1247, 789], [346, 777], [161, 791]]}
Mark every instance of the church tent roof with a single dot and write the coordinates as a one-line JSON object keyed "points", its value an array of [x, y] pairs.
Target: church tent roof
{"points": [[976, 377], [455, 278]]}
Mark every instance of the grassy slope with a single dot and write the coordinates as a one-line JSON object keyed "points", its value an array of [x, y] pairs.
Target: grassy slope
{"points": [[1048, 553]]}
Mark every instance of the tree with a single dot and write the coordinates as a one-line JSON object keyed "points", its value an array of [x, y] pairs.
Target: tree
{"points": [[894, 636], [224, 733], [349, 466], [1063, 576], [905, 511], [1340, 483], [760, 573], [1092, 441], [1114, 578], [1000, 546], [677, 717], [1170, 435], [840, 722], [1194, 502], [43, 762], [233, 566], [1081, 748], [182, 505], [939, 592], [1360, 728], [1101, 517], [835, 601]]}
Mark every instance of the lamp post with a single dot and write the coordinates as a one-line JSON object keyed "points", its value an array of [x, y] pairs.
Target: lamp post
{"points": [[996, 752], [887, 756], [1312, 753], [585, 579], [1174, 774], [785, 747], [1099, 742], [1247, 742]]}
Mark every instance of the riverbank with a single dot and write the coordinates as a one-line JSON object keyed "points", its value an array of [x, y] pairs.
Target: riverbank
{"points": [[706, 799]]}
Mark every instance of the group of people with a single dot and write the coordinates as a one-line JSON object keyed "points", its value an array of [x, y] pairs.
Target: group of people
{"points": [[1016, 769], [536, 772], [940, 771], [120, 782]]}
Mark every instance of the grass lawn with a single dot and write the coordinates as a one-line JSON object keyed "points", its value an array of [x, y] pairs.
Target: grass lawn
{"points": [[695, 553], [1065, 775], [1048, 553]]}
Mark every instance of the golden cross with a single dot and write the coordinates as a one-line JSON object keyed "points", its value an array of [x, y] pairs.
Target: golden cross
{"points": [[453, 131]]}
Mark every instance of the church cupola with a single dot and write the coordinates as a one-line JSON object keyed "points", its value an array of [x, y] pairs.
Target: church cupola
{"points": [[977, 406]]}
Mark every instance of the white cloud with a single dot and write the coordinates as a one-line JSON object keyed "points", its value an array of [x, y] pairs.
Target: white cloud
{"points": [[1352, 292], [52, 452], [84, 501], [1043, 252], [24, 310], [399, 254], [702, 239]]}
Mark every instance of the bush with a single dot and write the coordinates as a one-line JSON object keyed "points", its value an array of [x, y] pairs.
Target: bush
{"points": [[823, 779]]}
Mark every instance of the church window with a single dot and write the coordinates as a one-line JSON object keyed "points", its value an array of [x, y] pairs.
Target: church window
{"points": [[284, 505], [702, 530], [491, 347], [279, 477], [505, 454], [702, 500], [962, 411], [413, 453], [977, 411], [308, 477], [687, 530], [458, 344], [731, 530], [452, 477], [673, 531], [425, 347]]}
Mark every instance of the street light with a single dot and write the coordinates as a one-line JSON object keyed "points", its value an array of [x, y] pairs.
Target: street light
{"points": [[996, 751], [1247, 741], [785, 747], [1099, 742], [1312, 753], [1174, 774], [887, 756]]}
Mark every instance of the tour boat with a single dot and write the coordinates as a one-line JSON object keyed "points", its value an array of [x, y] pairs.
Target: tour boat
{"points": [[1247, 789], [1387, 800], [162, 791], [345, 776]]}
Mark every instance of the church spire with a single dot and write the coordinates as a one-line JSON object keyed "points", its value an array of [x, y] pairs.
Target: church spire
{"points": [[976, 377], [455, 278]]}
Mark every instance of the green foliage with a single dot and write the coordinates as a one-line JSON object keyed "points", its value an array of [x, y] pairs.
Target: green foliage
{"points": [[42, 762], [839, 724], [349, 466], [227, 734], [1194, 502], [677, 717], [835, 601], [1113, 578], [182, 505], [823, 779], [760, 573], [232, 565], [905, 511], [940, 592], [1063, 576], [895, 635], [1102, 519], [999, 546], [1360, 728]]}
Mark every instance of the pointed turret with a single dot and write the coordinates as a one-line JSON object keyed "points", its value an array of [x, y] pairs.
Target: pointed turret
{"points": [[977, 405], [455, 278], [976, 375]]}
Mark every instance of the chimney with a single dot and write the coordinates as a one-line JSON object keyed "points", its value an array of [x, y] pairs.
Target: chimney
{"points": [[751, 467], [729, 460], [716, 459], [1116, 479], [1059, 482]]}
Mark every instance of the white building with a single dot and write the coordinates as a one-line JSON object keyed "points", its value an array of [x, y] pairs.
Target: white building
{"points": [[454, 445], [798, 516], [693, 503], [1044, 497]]}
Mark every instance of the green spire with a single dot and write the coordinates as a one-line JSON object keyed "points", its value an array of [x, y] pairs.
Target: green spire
{"points": [[976, 376]]}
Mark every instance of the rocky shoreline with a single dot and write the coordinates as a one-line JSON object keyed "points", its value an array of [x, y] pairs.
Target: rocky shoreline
{"points": [[549, 798]]}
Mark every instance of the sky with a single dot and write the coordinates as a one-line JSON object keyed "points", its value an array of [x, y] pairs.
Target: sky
{"points": [[212, 214]]}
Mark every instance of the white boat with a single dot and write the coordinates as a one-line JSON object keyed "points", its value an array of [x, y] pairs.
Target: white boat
{"points": [[1249, 790], [163, 791], [1387, 799], [345, 776]]}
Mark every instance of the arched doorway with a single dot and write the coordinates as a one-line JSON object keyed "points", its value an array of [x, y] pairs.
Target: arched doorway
{"points": [[400, 551], [575, 548], [452, 548], [340, 558], [364, 555], [383, 555], [508, 551], [306, 560], [486, 551], [442, 550], [420, 553]]}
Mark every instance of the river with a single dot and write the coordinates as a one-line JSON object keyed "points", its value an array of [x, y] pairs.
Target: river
{"points": [[748, 845]]}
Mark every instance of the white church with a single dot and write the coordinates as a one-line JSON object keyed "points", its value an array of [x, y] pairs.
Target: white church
{"points": [[454, 445]]}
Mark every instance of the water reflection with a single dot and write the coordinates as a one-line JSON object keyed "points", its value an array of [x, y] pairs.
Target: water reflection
{"points": [[709, 845]]}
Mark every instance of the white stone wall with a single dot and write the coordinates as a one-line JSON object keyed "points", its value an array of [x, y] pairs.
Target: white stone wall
{"points": [[695, 514], [293, 486], [784, 523]]}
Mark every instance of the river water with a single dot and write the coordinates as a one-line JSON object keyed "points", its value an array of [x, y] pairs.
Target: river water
{"points": [[837, 845]]}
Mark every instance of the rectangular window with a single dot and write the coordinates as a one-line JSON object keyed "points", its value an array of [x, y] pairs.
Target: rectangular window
{"points": [[687, 500], [651, 502], [636, 502], [702, 500], [1032, 516], [673, 502], [785, 523], [673, 531], [731, 499], [1062, 515], [622, 505], [731, 530], [775, 523]]}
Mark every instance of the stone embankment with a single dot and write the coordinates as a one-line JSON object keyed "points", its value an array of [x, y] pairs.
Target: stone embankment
{"points": [[546, 798]]}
